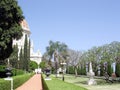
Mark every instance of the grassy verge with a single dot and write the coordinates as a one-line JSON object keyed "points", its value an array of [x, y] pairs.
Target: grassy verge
{"points": [[56, 84]]}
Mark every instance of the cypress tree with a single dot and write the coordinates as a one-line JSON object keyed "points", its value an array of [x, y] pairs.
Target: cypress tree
{"points": [[28, 52], [101, 69], [14, 57], [109, 69], [117, 69], [25, 62], [21, 58]]}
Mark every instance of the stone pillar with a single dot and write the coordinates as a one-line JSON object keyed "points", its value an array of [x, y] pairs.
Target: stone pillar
{"points": [[91, 75]]}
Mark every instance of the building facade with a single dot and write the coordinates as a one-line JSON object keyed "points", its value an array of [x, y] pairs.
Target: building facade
{"points": [[34, 56]]}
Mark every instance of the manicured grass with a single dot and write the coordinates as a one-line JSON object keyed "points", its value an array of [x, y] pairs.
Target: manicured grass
{"points": [[56, 84], [101, 84]]}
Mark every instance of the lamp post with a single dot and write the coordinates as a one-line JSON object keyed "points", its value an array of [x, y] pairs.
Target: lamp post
{"points": [[63, 69], [9, 73]]}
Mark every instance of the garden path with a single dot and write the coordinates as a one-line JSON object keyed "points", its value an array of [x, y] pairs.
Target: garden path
{"points": [[34, 83]]}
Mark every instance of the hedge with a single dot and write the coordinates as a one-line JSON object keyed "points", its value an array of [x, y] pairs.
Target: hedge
{"points": [[17, 81], [5, 85], [44, 85]]}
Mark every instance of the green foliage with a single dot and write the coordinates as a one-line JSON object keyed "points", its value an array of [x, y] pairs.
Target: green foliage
{"points": [[21, 59], [2, 71], [17, 81], [101, 69], [16, 72], [43, 65], [5, 85], [117, 69], [26, 55], [70, 70], [14, 57], [45, 87], [57, 47], [2, 68], [53, 70], [10, 28], [109, 69], [81, 70], [33, 65]]}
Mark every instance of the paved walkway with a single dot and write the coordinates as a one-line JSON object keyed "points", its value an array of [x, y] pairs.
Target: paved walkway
{"points": [[34, 83]]}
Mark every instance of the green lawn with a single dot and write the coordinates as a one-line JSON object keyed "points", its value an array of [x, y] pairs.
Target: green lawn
{"points": [[101, 84], [56, 84]]}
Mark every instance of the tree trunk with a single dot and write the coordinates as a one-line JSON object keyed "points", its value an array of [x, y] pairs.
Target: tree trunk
{"points": [[76, 73]]}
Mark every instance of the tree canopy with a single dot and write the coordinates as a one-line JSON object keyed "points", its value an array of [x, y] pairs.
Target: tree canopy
{"points": [[10, 17]]}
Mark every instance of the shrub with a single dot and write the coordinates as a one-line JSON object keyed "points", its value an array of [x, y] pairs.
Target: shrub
{"points": [[70, 70], [109, 70], [117, 69], [101, 69], [2, 68], [2, 71], [17, 72]]}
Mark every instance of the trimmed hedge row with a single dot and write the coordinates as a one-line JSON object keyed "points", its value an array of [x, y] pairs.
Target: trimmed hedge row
{"points": [[4, 85], [44, 85], [17, 81], [16, 72]]}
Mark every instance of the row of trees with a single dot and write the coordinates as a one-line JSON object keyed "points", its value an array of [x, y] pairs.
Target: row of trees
{"points": [[102, 58], [21, 60]]}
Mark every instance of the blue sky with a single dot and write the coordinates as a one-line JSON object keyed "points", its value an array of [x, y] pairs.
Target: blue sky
{"points": [[81, 24]]}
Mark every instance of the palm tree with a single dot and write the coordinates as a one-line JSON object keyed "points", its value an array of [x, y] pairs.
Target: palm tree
{"points": [[54, 50]]}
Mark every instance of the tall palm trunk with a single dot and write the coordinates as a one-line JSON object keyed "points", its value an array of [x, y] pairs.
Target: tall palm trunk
{"points": [[56, 66]]}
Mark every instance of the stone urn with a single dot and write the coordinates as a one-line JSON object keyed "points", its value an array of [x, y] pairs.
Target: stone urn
{"points": [[8, 72], [47, 73]]}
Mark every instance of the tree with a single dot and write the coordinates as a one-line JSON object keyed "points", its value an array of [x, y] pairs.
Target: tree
{"points": [[10, 17], [43, 65], [33, 65], [28, 53], [21, 59], [109, 69], [74, 59], [14, 57], [55, 49], [26, 58], [117, 67]]}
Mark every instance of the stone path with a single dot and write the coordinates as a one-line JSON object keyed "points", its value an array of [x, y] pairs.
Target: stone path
{"points": [[34, 83]]}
